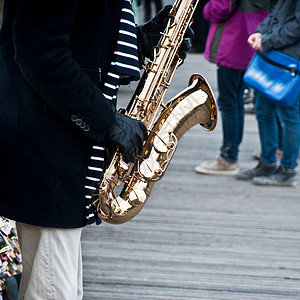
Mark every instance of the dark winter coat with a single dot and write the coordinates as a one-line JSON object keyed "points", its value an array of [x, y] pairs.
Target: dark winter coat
{"points": [[54, 56]]}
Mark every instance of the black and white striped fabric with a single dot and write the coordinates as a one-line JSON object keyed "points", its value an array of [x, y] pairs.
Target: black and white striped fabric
{"points": [[123, 69]]}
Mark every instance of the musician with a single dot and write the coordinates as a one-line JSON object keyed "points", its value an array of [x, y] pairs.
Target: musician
{"points": [[57, 58]]}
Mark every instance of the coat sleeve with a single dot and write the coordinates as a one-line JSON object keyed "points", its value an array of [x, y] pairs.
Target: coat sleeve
{"points": [[218, 10], [285, 35], [263, 27], [41, 40]]}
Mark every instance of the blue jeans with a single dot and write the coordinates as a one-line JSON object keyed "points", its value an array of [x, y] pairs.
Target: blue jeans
{"points": [[289, 118], [231, 105]]}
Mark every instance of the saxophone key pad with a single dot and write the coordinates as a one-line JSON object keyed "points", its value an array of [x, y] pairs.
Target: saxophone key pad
{"points": [[148, 167], [137, 197]]}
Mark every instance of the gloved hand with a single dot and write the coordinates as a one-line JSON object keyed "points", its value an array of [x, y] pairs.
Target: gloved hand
{"points": [[129, 134], [186, 44], [148, 35]]}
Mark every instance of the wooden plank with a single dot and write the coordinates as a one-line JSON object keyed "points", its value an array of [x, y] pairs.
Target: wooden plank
{"points": [[200, 237]]}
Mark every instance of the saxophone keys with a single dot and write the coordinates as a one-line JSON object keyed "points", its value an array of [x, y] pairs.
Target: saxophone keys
{"points": [[120, 206], [160, 143], [148, 167], [165, 142], [159, 172], [137, 197]]}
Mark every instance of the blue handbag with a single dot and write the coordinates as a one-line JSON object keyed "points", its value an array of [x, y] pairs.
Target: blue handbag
{"points": [[275, 75]]}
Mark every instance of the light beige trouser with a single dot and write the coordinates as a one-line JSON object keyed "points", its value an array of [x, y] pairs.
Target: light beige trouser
{"points": [[52, 263]]}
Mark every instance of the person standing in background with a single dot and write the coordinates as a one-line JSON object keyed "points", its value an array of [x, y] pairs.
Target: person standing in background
{"points": [[279, 31], [148, 8], [200, 27], [231, 24], [135, 7]]}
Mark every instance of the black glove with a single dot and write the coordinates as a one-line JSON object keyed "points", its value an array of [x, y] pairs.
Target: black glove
{"points": [[129, 134], [148, 35], [186, 44]]}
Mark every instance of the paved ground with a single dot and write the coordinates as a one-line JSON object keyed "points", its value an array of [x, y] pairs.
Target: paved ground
{"points": [[200, 237]]}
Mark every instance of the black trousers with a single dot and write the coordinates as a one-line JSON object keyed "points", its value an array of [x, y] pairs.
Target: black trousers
{"points": [[200, 27], [148, 8]]}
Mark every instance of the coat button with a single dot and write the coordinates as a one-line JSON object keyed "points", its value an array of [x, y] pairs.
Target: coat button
{"points": [[74, 118], [78, 122]]}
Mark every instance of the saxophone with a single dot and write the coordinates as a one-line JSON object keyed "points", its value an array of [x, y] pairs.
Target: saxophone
{"points": [[125, 187]]}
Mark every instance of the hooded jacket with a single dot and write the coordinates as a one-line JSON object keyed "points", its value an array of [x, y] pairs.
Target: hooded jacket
{"points": [[232, 22]]}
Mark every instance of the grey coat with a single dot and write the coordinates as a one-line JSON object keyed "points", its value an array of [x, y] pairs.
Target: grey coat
{"points": [[281, 29]]}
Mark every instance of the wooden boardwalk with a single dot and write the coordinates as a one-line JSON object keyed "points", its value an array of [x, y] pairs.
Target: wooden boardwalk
{"points": [[200, 237]]}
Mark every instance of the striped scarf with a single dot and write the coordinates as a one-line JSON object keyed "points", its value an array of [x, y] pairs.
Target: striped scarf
{"points": [[123, 69]]}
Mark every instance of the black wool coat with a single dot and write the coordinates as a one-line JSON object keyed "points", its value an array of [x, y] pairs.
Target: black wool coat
{"points": [[54, 56]]}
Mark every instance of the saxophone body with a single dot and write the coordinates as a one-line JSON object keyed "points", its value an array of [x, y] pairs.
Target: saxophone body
{"points": [[125, 187]]}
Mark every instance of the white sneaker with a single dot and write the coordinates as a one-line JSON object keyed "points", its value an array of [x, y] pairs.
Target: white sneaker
{"points": [[218, 167]]}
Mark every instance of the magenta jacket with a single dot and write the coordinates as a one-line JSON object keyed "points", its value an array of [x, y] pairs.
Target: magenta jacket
{"points": [[232, 22]]}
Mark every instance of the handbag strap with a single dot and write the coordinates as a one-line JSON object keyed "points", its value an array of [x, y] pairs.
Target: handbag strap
{"points": [[274, 63]]}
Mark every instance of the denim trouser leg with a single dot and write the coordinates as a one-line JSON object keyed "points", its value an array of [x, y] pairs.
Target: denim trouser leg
{"points": [[268, 129], [231, 106], [289, 118], [279, 133]]}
